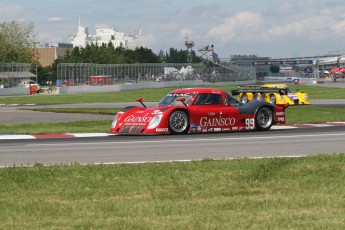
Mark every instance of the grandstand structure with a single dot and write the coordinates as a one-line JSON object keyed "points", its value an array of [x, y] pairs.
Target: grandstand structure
{"points": [[209, 55]]}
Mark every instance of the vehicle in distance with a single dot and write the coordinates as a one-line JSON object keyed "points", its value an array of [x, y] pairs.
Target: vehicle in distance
{"points": [[272, 93], [197, 110], [28, 83]]}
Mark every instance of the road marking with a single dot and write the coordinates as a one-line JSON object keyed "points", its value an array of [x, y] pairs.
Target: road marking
{"points": [[188, 139]]}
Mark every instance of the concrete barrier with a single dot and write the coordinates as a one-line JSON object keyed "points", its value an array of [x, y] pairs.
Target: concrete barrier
{"points": [[14, 91], [147, 85], [123, 87]]}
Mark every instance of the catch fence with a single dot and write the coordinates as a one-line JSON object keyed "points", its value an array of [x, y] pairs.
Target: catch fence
{"points": [[12, 74], [75, 74]]}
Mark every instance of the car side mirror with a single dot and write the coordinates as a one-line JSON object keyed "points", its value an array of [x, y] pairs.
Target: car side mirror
{"points": [[140, 100], [183, 100]]}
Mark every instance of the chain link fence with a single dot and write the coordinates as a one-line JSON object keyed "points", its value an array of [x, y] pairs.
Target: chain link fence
{"points": [[75, 74], [13, 74]]}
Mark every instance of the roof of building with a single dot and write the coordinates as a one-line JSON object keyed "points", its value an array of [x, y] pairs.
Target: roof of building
{"points": [[20, 74]]}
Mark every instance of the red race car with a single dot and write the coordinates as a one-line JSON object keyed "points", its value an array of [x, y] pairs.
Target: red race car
{"points": [[197, 110]]}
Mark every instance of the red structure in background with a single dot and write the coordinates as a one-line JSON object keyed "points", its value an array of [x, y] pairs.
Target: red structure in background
{"points": [[100, 80]]}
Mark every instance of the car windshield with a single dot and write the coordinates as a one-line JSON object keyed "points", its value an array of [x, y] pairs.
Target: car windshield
{"points": [[171, 99]]}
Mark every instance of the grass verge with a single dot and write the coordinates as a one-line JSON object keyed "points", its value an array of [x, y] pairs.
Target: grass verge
{"points": [[276, 193]]}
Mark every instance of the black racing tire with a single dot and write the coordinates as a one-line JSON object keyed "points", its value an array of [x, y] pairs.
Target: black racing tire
{"points": [[273, 99], [264, 118], [244, 98], [179, 122]]}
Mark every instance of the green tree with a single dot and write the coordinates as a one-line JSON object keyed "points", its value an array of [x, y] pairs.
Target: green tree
{"points": [[275, 69], [178, 56], [16, 42]]}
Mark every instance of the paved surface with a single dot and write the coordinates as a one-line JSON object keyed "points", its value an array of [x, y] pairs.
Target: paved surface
{"points": [[134, 149], [12, 114], [10, 136]]}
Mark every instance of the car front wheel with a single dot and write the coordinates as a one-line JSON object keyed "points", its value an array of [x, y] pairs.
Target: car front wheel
{"points": [[178, 122], [264, 119]]}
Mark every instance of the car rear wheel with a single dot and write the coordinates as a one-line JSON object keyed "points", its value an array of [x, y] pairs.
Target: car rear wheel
{"points": [[178, 122], [244, 98], [273, 99], [264, 119]]}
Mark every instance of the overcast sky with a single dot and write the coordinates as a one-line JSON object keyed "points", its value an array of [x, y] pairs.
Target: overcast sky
{"points": [[273, 28]]}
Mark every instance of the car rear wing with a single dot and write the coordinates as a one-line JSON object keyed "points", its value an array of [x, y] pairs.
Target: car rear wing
{"points": [[261, 91]]}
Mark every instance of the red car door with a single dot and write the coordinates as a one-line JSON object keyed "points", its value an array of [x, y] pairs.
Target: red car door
{"points": [[213, 113]]}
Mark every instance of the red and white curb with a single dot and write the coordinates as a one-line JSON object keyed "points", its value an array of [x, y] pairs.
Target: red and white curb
{"points": [[52, 136], [76, 135]]}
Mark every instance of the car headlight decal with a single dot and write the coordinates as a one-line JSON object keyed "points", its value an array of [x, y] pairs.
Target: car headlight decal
{"points": [[155, 122]]}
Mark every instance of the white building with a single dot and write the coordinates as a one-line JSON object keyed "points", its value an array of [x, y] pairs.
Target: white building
{"points": [[106, 35]]}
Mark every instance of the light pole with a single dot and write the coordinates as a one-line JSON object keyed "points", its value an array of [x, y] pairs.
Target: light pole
{"points": [[36, 74]]}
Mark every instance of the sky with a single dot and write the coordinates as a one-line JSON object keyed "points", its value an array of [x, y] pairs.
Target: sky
{"points": [[266, 28]]}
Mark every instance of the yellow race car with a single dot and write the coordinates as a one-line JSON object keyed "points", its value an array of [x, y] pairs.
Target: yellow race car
{"points": [[273, 93]]}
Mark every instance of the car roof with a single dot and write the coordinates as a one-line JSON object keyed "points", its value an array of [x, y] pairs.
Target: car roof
{"points": [[198, 90]]}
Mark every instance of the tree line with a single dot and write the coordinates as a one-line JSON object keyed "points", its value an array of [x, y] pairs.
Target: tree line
{"points": [[18, 39]]}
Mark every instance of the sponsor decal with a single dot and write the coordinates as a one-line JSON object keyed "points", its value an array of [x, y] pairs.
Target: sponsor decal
{"points": [[157, 112], [198, 128], [217, 121], [138, 119], [281, 118], [217, 129], [179, 94], [226, 129], [211, 114], [280, 113], [235, 128], [162, 130], [193, 127], [135, 124]]}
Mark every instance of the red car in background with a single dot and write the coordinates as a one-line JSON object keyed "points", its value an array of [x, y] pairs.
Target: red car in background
{"points": [[197, 110]]}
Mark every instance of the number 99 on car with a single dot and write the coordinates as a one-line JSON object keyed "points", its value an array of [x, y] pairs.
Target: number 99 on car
{"points": [[250, 123]]}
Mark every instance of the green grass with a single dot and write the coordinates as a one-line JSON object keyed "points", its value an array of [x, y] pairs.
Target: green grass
{"points": [[313, 115], [105, 111], [289, 193], [320, 92], [122, 96], [102, 126]]}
